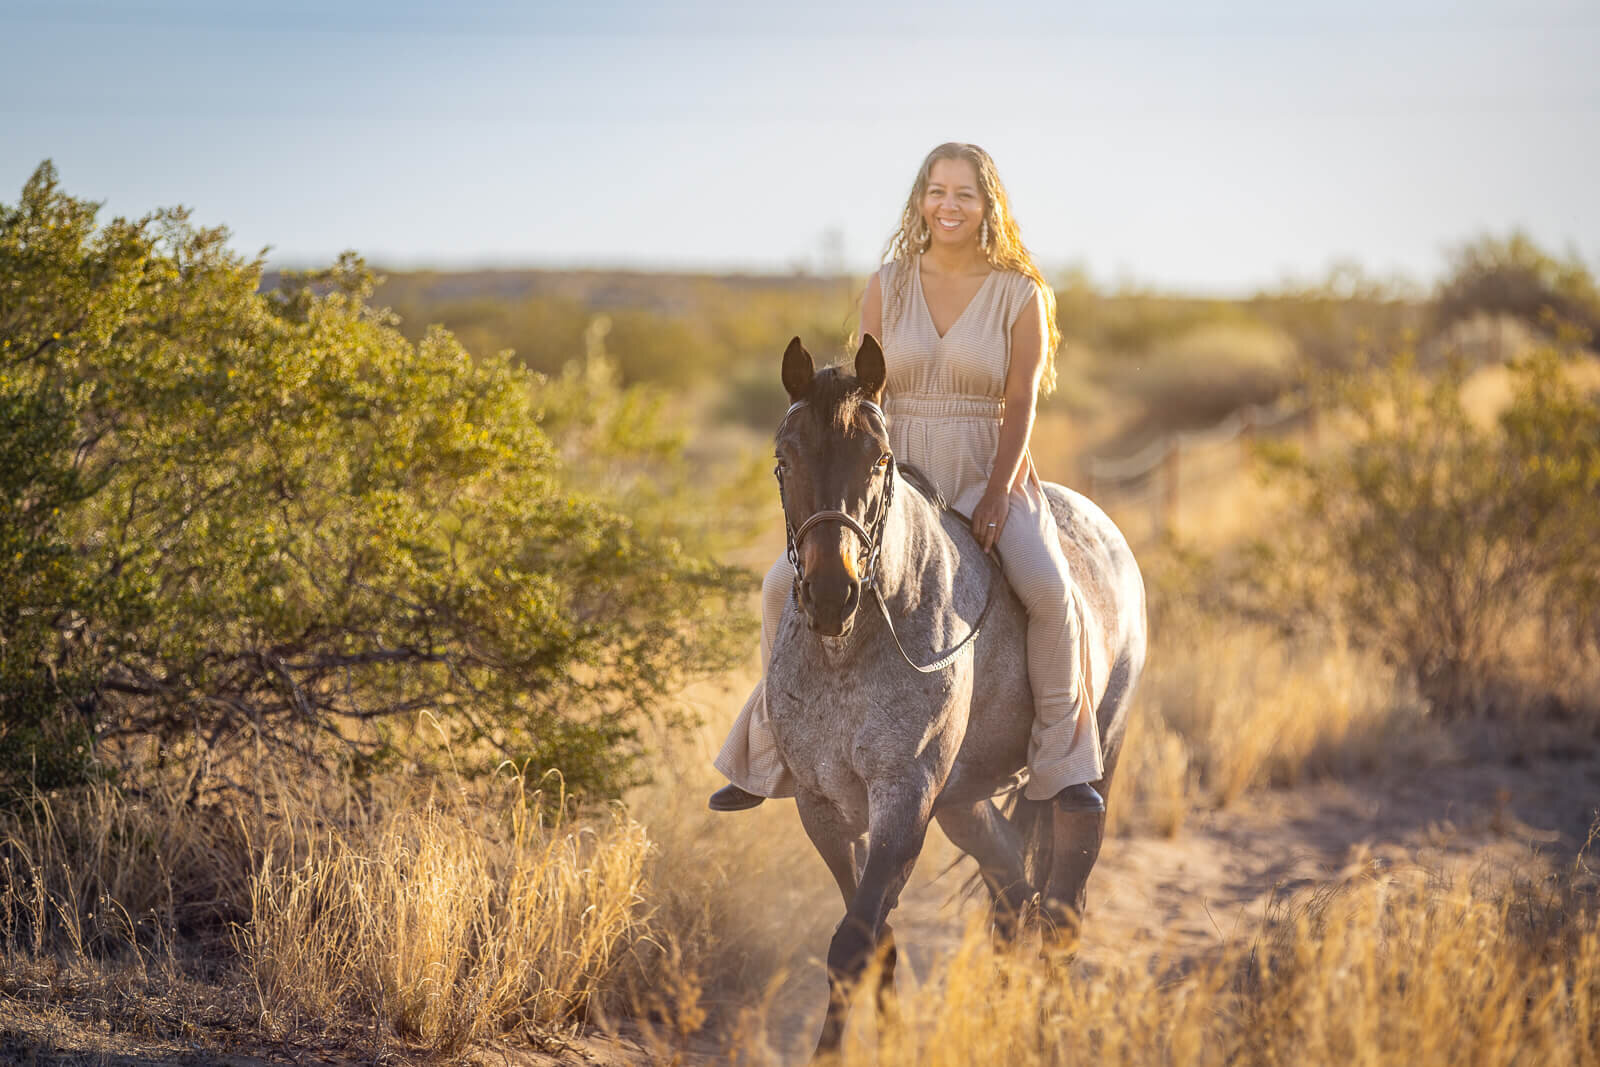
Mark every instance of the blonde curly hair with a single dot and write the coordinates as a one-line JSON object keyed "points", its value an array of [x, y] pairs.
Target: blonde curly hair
{"points": [[1004, 248]]}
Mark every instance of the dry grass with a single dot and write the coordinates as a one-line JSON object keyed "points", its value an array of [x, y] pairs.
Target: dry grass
{"points": [[1226, 706], [1380, 971], [739, 904], [1385, 970], [425, 919], [102, 871], [444, 923]]}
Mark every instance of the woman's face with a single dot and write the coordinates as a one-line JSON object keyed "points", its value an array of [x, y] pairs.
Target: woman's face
{"points": [[952, 207]]}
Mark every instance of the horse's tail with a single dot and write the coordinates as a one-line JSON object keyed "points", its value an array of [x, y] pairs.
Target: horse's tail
{"points": [[1033, 820]]}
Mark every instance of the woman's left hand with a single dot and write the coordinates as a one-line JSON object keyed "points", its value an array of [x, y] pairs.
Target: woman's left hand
{"points": [[989, 517]]}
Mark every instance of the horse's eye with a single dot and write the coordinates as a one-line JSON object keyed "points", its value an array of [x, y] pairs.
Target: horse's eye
{"points": [[883, 461]]}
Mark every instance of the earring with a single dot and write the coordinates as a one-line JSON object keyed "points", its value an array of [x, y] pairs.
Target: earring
{"points": [[983, 235]]}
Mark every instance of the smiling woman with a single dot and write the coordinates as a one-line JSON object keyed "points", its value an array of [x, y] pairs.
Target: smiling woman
{"points": [[969, 339]]}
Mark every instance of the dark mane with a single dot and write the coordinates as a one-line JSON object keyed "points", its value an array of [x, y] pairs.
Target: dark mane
{"points": [[918, 480]]}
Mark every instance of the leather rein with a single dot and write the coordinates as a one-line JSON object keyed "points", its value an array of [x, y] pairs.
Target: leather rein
{"points": [[873, 540]]}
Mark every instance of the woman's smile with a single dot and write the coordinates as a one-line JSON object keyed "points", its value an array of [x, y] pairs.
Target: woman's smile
{"points": [[952, 208]]}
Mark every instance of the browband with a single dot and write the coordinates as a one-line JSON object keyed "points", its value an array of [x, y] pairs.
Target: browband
{"points": [[869, 405]]}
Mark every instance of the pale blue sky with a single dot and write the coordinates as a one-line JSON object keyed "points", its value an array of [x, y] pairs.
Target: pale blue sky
{"points": [[1195, 145]]}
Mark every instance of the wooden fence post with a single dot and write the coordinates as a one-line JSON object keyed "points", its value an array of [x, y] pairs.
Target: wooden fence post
{"points": [[1171, 474]]}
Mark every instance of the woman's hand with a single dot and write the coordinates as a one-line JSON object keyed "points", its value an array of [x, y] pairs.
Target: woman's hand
{"points": [[989, 517]]}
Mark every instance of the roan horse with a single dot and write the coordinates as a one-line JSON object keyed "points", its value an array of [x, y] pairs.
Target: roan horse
{"points": [[879, 748]]}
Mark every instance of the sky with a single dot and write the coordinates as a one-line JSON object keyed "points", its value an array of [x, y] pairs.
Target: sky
{"points": [[1200, 146]]}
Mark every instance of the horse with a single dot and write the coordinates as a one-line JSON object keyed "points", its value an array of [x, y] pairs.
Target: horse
{"points": [[880, 745]]}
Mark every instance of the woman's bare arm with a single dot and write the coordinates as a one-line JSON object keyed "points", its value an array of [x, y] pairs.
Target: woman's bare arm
{"points": [[872, 308], [1022, 404]]}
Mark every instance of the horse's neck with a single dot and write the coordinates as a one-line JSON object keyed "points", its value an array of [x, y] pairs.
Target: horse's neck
{"points": [[917, 556]]}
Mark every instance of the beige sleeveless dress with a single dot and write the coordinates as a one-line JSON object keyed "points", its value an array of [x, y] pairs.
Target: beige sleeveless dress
{"points": [[945, 399]]}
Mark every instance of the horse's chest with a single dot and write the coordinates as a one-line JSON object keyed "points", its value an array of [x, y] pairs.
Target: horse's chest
{"points": [[838, 731]]}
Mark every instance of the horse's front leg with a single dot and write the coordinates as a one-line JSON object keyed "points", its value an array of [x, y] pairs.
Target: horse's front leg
{"points": [[897, 823]]}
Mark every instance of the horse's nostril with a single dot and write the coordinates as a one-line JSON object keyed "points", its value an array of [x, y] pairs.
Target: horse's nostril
{"points": [[852, 597]]}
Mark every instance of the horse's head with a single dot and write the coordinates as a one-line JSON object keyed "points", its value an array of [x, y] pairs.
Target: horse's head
{"points": [[836, 478]]}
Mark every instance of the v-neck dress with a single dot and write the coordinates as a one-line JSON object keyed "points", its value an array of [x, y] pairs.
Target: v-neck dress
{"points": [[946, 395]]}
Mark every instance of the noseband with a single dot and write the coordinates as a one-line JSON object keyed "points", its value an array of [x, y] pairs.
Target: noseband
{"points": [[873, 539]]}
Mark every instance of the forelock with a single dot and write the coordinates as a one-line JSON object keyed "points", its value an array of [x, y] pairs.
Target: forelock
{"points": [[838, 395]]}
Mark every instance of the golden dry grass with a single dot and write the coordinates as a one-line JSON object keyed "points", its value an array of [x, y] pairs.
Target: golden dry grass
{"points": [[427, 919], [443, 923], [1388, 970], [1227, 706]]}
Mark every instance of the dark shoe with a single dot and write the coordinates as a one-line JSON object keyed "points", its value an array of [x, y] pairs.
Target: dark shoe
{"points": [[1081, 797], [732, 798]]}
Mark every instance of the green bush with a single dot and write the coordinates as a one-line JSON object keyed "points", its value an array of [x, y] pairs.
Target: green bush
{"points": [[1442, 537], [244, 518]]}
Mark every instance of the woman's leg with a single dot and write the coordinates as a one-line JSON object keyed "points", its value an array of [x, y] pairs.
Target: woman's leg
{"points": [[749, 756], [1065, 747]]}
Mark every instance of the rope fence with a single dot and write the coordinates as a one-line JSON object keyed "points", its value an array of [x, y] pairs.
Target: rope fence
{"points": [[1154, 479]]}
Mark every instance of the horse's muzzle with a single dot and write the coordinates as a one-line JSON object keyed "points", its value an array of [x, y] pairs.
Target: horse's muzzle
{"points": [[830, 606]]}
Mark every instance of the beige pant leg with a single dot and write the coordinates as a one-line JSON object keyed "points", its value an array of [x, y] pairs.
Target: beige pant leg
{"points": [[1065, 746], [749, 757]]}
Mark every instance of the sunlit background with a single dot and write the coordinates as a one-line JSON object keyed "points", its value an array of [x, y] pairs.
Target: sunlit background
{"points": [[1204, 147]]}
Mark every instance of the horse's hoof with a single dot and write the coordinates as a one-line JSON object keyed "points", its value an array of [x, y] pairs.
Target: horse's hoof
{"points": [[732, 798], [1081, 797]]}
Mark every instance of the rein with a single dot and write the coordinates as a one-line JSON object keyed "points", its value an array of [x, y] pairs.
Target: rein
{"points": [[873, 540]]}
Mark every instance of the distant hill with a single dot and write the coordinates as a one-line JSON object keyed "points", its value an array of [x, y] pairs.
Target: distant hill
{"points": [[668, 292]]}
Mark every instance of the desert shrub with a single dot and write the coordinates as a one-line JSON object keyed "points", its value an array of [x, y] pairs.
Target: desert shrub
{"points": [[1199, 376], [1347, 313], [755, 397], [244, 518], [1513, 276], [1445, 539]]}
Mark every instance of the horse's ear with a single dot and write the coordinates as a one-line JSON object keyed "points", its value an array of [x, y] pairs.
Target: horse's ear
{"points": [[797, 370], [870, 370]]}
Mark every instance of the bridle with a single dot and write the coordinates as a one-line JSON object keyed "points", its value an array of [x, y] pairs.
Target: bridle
{"points": [[872, 538], [871, 535]]}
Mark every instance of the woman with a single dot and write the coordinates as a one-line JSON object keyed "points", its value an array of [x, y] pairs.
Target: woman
{"points": [[969, 337]]}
